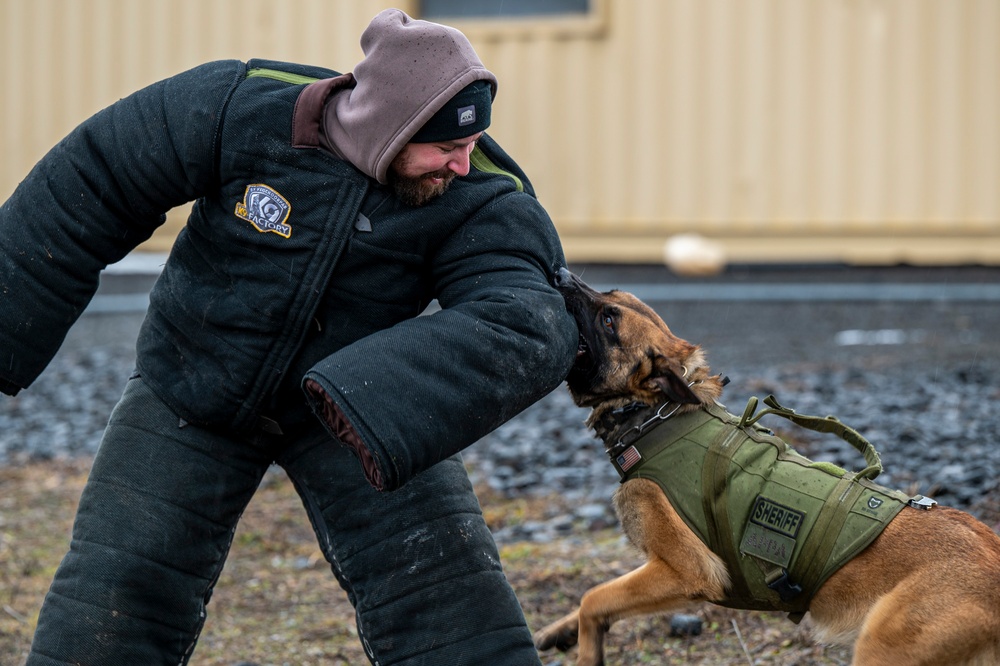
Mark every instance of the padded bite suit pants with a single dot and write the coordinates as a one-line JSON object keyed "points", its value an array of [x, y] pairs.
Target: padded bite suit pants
{"points": [[159, 511]]}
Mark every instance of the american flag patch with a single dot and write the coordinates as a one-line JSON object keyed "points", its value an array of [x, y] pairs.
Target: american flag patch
{"points": [[628, 458]]}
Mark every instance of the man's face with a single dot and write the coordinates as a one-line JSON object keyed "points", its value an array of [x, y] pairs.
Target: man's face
{"points": [[423, 171]]}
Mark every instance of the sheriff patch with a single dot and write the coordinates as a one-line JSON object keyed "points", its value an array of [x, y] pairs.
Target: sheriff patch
{"points": [[771, 531], [265, 209]]}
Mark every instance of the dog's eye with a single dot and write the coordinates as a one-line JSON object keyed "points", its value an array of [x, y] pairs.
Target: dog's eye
{"points": [[609, 322]]}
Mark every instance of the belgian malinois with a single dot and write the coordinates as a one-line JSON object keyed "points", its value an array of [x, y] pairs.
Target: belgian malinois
{"points": [[926, 590]]}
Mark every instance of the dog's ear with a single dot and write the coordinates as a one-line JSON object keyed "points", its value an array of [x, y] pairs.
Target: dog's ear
{"points": [[665, 377]]}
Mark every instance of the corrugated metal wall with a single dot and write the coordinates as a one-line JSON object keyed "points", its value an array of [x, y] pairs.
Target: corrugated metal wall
{"points": [[788, 130]]}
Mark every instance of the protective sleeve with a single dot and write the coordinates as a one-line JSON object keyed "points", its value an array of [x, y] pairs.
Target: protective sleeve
{"points": [[93, 198], [414, 394]]}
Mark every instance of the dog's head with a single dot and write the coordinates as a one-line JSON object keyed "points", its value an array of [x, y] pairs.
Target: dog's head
{"points": [[628, 354]]}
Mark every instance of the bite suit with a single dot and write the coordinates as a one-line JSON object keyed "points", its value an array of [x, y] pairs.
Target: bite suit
{"points": [[298, 289]]}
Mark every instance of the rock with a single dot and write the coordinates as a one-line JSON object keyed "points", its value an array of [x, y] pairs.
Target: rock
{"points": [[685, 625]]}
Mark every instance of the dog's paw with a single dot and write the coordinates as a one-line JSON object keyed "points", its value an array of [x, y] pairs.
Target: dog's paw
{"points": [[562, 641], [561, 635]]}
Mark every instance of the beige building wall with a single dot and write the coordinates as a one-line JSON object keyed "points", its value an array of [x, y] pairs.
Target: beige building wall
{"points": [[784, 130]]}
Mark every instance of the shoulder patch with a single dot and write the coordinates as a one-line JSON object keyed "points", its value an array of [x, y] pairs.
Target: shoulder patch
{"points": [[265, 209]]}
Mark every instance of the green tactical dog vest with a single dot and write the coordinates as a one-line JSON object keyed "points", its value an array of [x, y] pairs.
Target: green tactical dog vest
{"points": [[781, 522]]}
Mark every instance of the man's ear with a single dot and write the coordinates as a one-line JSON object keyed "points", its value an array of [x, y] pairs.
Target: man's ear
{"points": [[676, 388]]}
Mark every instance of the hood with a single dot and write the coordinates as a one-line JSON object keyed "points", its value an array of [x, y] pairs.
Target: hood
{"points": [[410, 70]]}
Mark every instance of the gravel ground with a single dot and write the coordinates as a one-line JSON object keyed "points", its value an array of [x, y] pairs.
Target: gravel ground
{"points": [[918, 379]]}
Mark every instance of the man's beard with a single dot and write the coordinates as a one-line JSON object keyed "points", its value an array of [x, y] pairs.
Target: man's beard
{"points": [[418, 191]]}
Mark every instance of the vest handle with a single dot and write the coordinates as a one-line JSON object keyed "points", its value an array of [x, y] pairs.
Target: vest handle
{"points": [[826, 424]]}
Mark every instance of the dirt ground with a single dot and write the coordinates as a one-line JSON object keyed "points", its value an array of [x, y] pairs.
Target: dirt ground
{"points": [[277, 602]]}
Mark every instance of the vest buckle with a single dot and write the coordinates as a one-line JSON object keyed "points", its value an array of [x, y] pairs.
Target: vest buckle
{"points": [[780, 583], [921, 502]]}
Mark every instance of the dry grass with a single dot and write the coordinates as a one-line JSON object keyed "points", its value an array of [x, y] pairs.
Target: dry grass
{"points": [[277, 602]]}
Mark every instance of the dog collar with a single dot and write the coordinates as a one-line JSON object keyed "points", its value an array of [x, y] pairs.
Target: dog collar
{"points": [[635, 445], [662, 412]]}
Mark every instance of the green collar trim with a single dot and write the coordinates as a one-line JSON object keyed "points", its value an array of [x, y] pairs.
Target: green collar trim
{"points": [[278, 75], [480, 161]]}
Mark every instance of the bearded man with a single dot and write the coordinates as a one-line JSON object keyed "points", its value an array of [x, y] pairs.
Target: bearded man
{"points": [[330, 210]]}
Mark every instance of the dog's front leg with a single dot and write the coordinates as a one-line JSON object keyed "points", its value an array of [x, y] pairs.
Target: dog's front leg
{"points": [[652, 588]]}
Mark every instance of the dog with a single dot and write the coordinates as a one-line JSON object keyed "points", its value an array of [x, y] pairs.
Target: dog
{"points": [[925, 590]]}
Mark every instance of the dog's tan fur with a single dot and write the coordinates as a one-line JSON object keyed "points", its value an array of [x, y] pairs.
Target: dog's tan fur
{"points": [[926, 591]]}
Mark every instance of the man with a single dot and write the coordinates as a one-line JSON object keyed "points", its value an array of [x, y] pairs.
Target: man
{"points": [[329, 211]]}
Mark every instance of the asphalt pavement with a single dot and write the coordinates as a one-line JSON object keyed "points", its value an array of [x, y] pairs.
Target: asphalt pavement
{"points": [[869, 318], [863, 317]]}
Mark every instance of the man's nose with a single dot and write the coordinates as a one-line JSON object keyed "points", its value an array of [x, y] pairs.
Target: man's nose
{"points": [[460, 162]]}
